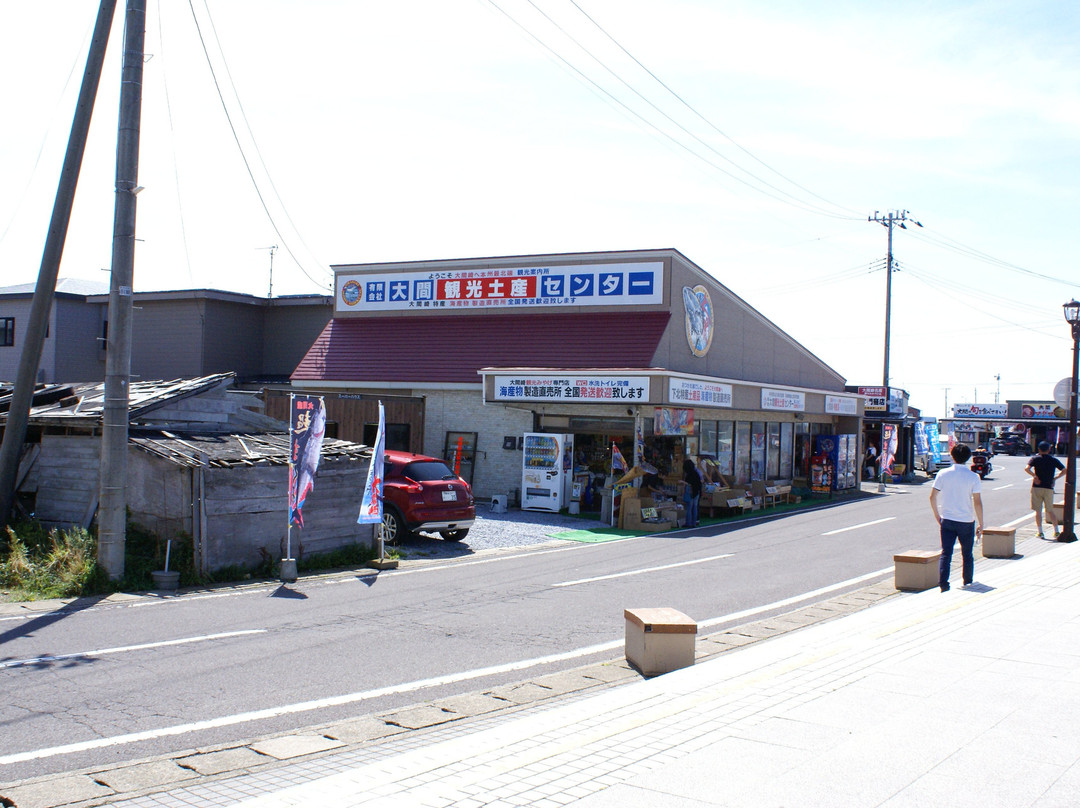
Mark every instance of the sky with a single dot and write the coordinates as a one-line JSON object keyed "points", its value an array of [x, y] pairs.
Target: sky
{"points": [[758, 139]]}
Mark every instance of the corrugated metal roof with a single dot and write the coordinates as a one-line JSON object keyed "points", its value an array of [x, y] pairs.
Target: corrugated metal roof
{"points": [[235, 449], [452, 348]]}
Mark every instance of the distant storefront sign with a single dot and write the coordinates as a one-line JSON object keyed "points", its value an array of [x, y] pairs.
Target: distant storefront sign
{"points": [[1042, 411], [980, 410], [788, 400], [841, 405], [703, 394], [626, 284], [882, 400], [572, 389]]}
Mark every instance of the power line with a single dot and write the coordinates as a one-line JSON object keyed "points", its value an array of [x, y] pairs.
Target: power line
{"points": [[807, 207], [705, 120], [243, 154]]}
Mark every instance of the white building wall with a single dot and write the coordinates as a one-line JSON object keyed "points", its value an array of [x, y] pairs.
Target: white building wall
{"points": [[497, 470]]}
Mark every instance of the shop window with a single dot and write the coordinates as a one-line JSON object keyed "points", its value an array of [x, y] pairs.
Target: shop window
{"points": [[7, 332], [802, 451], [757, 451], [786, 449], [708, 438], [397, 436], [772, 450], [725, 447], [742, 452], [331, 430], [460, 453]]}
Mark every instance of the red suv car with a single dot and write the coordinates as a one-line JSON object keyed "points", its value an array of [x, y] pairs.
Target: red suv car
{"points": [[423, 493]]}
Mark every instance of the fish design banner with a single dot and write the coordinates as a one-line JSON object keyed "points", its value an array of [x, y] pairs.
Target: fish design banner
{"points": [[307, 428], [371, 506]]}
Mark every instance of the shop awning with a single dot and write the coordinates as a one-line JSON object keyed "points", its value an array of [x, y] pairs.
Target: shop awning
{"points": [[452, 348]]}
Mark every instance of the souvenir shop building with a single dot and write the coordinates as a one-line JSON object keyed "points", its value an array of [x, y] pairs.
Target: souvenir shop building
{"points": [[1035, 421], [469, 356]]}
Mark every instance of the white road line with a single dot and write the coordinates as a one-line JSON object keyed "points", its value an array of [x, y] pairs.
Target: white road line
{"points": [[1023, 518], [333, 701], [642, 571], [1002, 487], [856, 527], [14, 663]]}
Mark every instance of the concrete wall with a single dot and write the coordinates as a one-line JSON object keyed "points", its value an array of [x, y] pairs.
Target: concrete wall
{"points": [[289, 331], [745, 344], [78, 354], [497, 470], [9, 354], [167, 339]]}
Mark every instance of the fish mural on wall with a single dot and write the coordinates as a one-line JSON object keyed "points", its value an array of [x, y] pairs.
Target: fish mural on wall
{"points": [[699, 319]]}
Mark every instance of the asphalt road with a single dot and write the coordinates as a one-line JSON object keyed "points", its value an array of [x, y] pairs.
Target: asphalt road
{"points": [[146, 676]]}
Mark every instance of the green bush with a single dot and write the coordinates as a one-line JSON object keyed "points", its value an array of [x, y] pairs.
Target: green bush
{"points": [[56, 564]]}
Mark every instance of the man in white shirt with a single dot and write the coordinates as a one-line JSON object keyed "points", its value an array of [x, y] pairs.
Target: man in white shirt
{"points": [[956, 500]]}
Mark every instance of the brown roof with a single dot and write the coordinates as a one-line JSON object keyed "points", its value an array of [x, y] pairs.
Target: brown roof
{"points": [[452, 348]]}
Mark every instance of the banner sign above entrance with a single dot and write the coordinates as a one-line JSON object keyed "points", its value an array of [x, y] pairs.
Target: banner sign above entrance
{"points": [[630, 284], [977, 410], [841, 405], [782, 400], [703, 394], [572, 389]]}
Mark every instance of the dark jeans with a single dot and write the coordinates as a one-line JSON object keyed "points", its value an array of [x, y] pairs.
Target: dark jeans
{"points": [[951, 532], [692, 504]]}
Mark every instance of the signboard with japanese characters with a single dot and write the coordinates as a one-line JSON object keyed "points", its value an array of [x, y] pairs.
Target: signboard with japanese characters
{"points": [[626, 284], [1043, 410], [788, 400], [875, 398], [980, 410], [572, 389], [841, 405], [702, 394]]}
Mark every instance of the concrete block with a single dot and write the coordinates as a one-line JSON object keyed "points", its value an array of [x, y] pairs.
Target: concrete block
{"points": [[659, 640], [360, 730], [144, 775], [418, 717], [916, 570], [227, 760], [294, 746], [999, 542], [57, 791]]}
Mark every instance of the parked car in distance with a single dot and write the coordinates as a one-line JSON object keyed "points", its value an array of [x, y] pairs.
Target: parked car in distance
{"points": [[422, 493], [1010, 445]]}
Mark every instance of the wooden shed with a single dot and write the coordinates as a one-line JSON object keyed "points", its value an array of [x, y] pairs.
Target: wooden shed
{"points": [[201, 461]]}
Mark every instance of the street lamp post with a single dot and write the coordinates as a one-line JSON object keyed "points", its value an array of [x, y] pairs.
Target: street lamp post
{"points": [[1072, 316]]}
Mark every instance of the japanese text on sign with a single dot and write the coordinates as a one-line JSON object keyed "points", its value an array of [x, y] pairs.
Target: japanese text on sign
{"points": [[572, 389], [703, 394], [593, 285]]}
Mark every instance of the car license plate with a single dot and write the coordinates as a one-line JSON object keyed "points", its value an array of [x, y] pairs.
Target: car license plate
{"points": [[449, 496]]}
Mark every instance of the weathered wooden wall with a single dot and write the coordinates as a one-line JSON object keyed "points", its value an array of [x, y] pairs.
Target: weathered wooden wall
{"points": [[351, 411], [65, 478]]}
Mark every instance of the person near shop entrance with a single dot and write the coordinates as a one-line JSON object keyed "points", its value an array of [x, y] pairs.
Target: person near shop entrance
{"points": [[1041, 468], [956, 500], [691, 485], [870, 461]]}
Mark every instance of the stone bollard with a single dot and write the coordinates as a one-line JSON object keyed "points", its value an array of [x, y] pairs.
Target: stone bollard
{"points": [[916, 570], [998, 542]]}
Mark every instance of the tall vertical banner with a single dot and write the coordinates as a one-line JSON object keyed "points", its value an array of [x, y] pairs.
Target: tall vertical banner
{"points": [[888, 447], [371, 506], [307, 428]]}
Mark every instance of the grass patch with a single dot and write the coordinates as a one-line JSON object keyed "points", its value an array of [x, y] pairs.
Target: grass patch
{"points": [[55, 564]]}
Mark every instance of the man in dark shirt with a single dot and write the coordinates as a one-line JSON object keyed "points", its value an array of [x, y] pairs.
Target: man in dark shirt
{"points": [[1041, 468]]}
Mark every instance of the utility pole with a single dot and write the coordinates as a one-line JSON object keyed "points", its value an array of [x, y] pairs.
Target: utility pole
{"points": [[946, 402], [112, 496], [997, 391], [272, 248], [893, 217], [38, 320]]}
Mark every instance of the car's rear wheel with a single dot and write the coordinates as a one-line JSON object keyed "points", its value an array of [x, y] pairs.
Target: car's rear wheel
{"points": [[454, 535], [394, 529]]}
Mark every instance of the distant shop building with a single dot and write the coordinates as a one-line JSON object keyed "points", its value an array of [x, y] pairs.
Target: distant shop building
{"points": [[643, 349], [888, 413], [977, 424]]}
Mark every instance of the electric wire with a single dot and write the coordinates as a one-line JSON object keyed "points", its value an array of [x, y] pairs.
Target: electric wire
{"points": [[799, 205], [825, 280], [243, 155], [705, 120], [650, 103], [944, 242], [255, 144], [84, 48]]}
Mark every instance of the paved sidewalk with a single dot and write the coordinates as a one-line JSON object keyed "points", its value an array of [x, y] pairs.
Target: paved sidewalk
{"points": [[963, 698]]}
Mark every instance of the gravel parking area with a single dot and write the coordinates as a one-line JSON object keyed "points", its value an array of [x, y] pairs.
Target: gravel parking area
{"points": [[515, 528]]}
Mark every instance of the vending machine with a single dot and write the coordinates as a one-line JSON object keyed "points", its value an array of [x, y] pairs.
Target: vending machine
{"points": [[835, 462], [547, 473]]}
